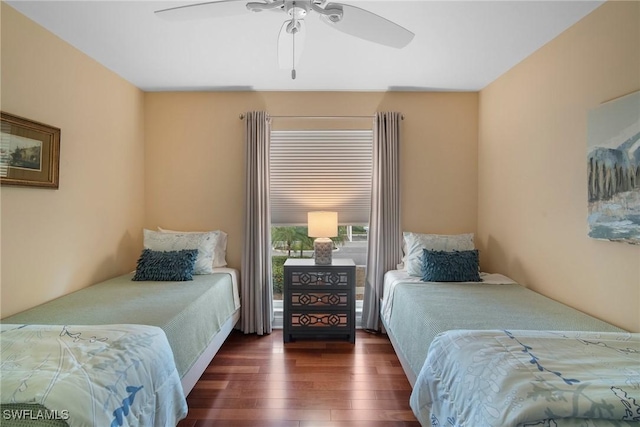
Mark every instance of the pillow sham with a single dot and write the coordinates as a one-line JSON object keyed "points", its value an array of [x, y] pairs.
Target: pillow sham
{"points": [[414, 243], [171, 266], [203, 242], [456, 266], [220, 249]]}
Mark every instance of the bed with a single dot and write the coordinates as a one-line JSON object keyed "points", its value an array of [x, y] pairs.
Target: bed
{"points": [[439, 289], [414, 312], [89, 375], [194, 316], [505, 378], [181, 293]]}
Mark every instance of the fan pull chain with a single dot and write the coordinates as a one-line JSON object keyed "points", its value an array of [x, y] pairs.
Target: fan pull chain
{"points": [[293, 66], [293, 56]]}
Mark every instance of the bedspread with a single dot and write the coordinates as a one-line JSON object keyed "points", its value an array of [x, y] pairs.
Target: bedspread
{"points": [[526, 378], [98, 375], [423, 310], [190, 313], [396, 277]]}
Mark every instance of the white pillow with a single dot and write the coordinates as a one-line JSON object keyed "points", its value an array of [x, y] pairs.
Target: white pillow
{"points": [[414, 243], [203, 242], [220, 250]]}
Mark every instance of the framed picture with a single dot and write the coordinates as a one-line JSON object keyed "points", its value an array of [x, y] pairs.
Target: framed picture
{"points": [[29, 152], [613, 170]]}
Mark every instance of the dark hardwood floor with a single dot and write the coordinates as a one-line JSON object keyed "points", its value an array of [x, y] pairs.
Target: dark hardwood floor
{"points": [[259, 381]]}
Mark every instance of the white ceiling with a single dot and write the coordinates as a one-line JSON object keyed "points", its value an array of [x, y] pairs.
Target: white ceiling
{"points": [[458, 45]]}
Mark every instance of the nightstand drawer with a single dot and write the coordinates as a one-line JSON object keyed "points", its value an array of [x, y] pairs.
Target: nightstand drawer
{"points": [[319, 279], [313, 320], [319, 299]]}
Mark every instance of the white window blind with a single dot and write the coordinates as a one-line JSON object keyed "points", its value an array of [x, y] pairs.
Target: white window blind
{"points": [[321, 170]]}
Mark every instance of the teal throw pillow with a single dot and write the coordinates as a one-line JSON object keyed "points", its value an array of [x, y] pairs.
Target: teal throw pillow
{"points": [[170, 266], [455, 266]]}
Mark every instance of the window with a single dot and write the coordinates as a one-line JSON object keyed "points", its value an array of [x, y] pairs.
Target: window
{"points": [[320, 170]]}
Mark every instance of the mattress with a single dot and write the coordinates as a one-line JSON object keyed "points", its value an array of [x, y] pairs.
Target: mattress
{"points": [[422, 310], [190, 313]]}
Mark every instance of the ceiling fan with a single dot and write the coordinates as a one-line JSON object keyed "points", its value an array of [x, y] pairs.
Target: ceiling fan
{"points": [[349, 19]]}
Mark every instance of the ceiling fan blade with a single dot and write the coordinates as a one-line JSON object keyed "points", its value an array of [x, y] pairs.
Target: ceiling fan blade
{"points": [[213, 9], [286, 53], [369, 26]]}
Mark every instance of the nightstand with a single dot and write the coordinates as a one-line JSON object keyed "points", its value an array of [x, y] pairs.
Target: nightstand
{"points": [[319, 300]]}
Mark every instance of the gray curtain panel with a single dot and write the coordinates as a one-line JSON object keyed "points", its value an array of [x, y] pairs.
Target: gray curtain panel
{"points": [[385, 230], [257, 289]]}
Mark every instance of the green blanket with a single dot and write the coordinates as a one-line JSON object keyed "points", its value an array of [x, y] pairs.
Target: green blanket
{"points": [[190, 313], [423, 310]]}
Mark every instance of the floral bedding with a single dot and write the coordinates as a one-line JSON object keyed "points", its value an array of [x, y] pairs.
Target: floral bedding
{"points": [[98, 375], [529, 378]]}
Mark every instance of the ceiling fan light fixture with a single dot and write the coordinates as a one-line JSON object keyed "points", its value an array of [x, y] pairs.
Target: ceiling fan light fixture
{"points": [[293, 27]]}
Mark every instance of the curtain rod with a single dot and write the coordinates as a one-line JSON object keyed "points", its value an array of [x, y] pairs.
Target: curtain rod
{"points": [[322, 117]]}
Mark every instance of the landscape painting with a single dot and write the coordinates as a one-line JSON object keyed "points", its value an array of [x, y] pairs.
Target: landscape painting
{"points": [[29, 152], [613, 170], [20, 152]]}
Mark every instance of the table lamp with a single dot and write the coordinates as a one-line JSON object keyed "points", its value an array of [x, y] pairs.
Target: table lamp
{"points": [[322, 225]]}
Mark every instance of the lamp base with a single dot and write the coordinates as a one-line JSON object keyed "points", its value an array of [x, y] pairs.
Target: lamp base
{"points": [[322, 248]]}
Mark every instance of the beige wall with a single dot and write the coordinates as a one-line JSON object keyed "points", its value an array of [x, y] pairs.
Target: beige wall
{"points": [[176, 159], [532, 162], [57, 241], [194, 167]]}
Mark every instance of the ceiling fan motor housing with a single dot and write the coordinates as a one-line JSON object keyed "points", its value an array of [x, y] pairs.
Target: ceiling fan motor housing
{"points": [[297, 9]]}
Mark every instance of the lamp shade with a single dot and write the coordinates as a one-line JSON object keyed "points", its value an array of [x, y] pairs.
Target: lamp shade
{"points": [[322, 224]]}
